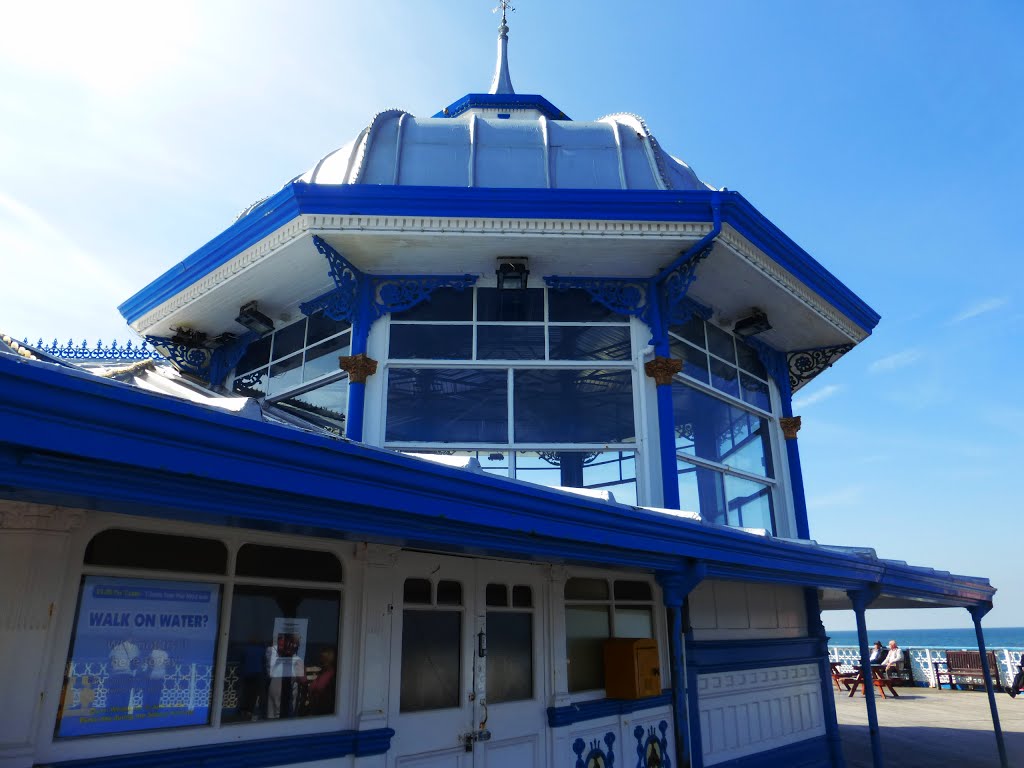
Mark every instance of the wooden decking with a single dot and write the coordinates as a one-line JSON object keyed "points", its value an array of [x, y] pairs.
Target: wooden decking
{"points": [[927, 728]]}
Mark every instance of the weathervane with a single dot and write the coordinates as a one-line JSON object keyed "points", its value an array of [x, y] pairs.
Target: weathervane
{"points": [[505, 6]]}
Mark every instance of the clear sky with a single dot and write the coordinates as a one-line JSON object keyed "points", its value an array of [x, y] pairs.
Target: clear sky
{"points": [[885, 138]]}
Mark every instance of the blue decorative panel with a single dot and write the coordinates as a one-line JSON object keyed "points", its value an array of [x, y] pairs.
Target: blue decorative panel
{"points": [[652, 746], [627, 296], [596, 756], [114, 352]]}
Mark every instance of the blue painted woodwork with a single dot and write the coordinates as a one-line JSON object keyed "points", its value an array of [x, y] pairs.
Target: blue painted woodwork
{"points": [[686, 308], [611, 205], [598, 708], [977, 612], [225, 358], [816, 629], [597, 756], [127, 352], [695, 745], [503, 101], [645, 742], [731, 655], [809, 753], [194, 361], [625, 295], [251, 754], [194, 463], [860, 600]]}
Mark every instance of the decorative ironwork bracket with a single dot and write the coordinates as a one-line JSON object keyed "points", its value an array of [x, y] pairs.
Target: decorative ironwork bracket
{"points": [[384, 293], [115, 352], [678, 281], [194, 361], [225, 358], [625, 295], [805, 364], [774, 362]]}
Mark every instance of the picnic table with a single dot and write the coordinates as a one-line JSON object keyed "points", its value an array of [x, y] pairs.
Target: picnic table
{"points": [[878, 678]]}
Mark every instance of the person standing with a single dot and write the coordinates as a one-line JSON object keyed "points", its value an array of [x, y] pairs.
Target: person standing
{"points": [[124, 661], [153, 677]]}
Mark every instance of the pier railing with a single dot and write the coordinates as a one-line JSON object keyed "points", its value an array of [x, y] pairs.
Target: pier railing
{"points": [[923, 659]]}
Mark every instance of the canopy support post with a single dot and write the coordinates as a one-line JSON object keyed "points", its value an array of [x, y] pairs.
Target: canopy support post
{"points": [[861, 599], [977, 612]]}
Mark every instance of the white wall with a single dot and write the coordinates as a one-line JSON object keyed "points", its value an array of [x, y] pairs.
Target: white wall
{"points": [[733, 610]]}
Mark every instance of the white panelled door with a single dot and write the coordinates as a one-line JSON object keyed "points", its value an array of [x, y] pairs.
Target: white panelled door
{"points": [[467, 673]]}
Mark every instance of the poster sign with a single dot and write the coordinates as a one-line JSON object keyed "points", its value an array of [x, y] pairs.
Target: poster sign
{"points": [[142, 656]]}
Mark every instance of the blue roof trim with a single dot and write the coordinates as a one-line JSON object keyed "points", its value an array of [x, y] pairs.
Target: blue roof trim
{"points": [[731, 655], [610, 205], [261, 753], [597, 708], [69, 437], [503, 101]]}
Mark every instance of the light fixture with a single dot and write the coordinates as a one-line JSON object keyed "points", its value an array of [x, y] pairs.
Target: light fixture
{"points": [[751, 325], [513, 272], [253, 319]]}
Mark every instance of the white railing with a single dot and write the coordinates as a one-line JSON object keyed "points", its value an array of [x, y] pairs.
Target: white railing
{"points": [[922, 660]]}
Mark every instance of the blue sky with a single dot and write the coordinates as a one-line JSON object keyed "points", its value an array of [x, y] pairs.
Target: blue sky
{"points": [[883, 137]]}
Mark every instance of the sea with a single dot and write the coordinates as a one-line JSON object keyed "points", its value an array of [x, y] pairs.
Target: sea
{"points": [[995, 637]]}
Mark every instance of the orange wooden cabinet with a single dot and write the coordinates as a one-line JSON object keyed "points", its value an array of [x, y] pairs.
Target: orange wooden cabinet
{"points": [[632, 669]]}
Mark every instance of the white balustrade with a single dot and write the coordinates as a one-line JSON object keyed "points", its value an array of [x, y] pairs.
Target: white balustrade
{"points": [[922, 660]]}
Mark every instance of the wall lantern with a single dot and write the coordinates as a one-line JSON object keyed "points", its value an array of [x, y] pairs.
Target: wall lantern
{"points": [[751, 325], [253, 319], [513, 272]]}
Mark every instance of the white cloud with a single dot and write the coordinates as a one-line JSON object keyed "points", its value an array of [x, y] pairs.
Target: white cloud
{"points": [[896, 360], [980, 308], [803, 401]]}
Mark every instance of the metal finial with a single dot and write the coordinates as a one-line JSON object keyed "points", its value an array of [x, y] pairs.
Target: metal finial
{"points": [[504, 5], [502, 82]]}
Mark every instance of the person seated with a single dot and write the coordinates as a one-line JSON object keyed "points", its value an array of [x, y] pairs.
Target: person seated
{"points": [[1018, 681], [877, 653], [894, 659]]}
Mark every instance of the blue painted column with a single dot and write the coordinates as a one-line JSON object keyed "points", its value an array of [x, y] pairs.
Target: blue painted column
{"points": [[977, 612], [790, 425], [861, 600], [359, 366], [675, 586], [662, 369], [828, 702]]}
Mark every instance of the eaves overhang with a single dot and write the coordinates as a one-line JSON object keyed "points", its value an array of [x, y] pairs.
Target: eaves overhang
{"points": [[69, 438], [298, 199]]}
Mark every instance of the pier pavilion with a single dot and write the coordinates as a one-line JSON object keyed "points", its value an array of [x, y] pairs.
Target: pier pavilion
{"points": [[480, 412]]}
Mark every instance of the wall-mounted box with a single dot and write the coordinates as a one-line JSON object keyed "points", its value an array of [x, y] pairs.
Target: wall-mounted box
{"points": [[632, 669]]}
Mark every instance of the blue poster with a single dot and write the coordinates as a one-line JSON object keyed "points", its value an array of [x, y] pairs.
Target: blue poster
{"points": [[142, 656]]}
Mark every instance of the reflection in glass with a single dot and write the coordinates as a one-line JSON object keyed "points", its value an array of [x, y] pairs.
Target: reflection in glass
{"points": [[284, 375], [576, 306], [692, 330], [252, 384], [256, 355], [323, 358], [717, 431], [510, 342], [586, 629], [574, 406], [593, 342], [700, 490], [695, 362], [720, 343], [755, 392], [429, 342], [749, 361], [321, 327], [289, 339], [431, 659], [516, 306], [447, 405], [509, 656], [445, 304], [749, 502], [724, 377], [326, 405]]}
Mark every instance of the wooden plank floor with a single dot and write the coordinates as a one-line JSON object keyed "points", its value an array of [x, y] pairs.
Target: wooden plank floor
{"points": [[927, 728]]}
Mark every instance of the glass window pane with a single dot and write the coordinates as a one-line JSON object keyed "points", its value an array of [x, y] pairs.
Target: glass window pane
{"points": [[575, 306], [513, 306], [253, 384], [522, 597], [755, 392], [431, 342], [417, 591], [509, 656], [692, 330], [142, 656], [695, 362], [574, 406], [444, 304], [613, 471], [285, 375], [586, 629], [632, 590], [431, 660], [326, 405], [634, 622], [749, 361], [156, 551], [449, 592], [509, 342], [586, 589], [447, 405], [256, 355], [700, 490], [750, 503], [276, 634], [497, 595], [724, 377], [577, 342], [720, 343], [320, 327], [289, 339], [287, 563], [715, 430], [323, 358]]}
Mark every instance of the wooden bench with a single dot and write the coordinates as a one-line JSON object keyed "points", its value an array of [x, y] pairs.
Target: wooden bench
{"points": [[966, 664], [878, 679], [843, 675]]}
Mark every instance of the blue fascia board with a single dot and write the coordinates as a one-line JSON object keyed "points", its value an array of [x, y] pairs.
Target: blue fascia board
{"points": [[597, 708], [503, 101], [96, 444], [607, 205], [732, 655]]}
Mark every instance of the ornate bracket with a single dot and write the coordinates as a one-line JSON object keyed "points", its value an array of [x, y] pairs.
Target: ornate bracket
{"points": [[790, 426], [384, 294], [662, 369], [359, 367], [625, 295], [194, 361], [679, 280], [225, 358], [805, 364]]}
